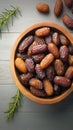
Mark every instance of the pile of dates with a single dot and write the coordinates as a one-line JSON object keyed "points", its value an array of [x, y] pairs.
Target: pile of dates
{"points": [[44, 62]]}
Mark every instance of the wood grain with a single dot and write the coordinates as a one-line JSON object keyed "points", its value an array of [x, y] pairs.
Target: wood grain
{"points": [[31, 116]]}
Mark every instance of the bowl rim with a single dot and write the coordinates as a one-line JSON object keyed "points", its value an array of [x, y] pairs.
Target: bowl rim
{"points": [[21, 87]]}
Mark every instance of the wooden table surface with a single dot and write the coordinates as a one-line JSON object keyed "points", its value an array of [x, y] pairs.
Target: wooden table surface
{"points": [[31, 116]]}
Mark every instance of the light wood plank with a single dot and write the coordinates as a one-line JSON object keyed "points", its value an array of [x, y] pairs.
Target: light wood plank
{"points": [[6, 44], [31, 116], [30, 15], [5, 74]]}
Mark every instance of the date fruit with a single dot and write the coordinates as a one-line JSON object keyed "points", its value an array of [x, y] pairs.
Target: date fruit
{"points": [[29, 52], [68, 3], [68, 21], [25, 43], [22, 56], [57, 89], [44, 31], [20, 65], [48, 39], [37, 58], [40, 73], [47, 60], [59, 67], [63, 40], [30, 65], [42, 7], [37, 92], [69, 72], [48, 87], [64, 53], [58, 8], [25, 77], [52, 48], [50, 73], [55, 38], [36, 83], [39, 40], [62, 81], [37, 49], [70, 60], [70, 49]]}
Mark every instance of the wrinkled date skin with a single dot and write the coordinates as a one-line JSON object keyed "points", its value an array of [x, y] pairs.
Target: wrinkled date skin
{"points": [[37, 58], [44, 62], [38, 49], [63, 40], [36, 83], [27, 41], [58, 8], [48, 39], [25, 77], [62, 81], [30, 64], [40, 73], [64, 53], [68, 21], [50, 73], [55, 38], [37, 92], [39, 40], [59, 67]]}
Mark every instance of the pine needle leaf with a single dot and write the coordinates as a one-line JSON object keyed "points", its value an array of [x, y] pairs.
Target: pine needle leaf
{"points": [[6, 15], [14, 105]]}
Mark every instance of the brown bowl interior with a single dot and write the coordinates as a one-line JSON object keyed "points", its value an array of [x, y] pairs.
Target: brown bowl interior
{"points": [[24, 91]]}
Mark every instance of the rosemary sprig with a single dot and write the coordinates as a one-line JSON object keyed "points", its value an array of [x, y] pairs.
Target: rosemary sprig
{"points": [[6, 15], [13, 105]]}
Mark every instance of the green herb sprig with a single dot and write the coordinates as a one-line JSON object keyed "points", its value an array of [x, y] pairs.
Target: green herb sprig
{"points": [[6, 15], [14, 105]]}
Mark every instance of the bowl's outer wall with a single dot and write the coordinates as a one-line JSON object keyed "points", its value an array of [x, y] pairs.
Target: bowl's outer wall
{"points": [[13, 71]]}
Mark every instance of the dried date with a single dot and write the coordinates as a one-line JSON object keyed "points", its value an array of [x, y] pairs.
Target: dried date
{"points": [[26, 77], [59, 67], [47, 60], [36, 83], [55, 38], [63, 40], [30, 65], [69, 72], [39, 49], [37, 92], [48, 87], [64, 53], [37, 58], [40, 73], [62, 81], [50, 73], [48, 39], [39, 40], [70, 59], [52, 48], [25, 43]]}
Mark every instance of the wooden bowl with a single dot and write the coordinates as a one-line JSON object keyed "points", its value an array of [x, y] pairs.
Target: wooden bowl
{"points": [[23, 90]]}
